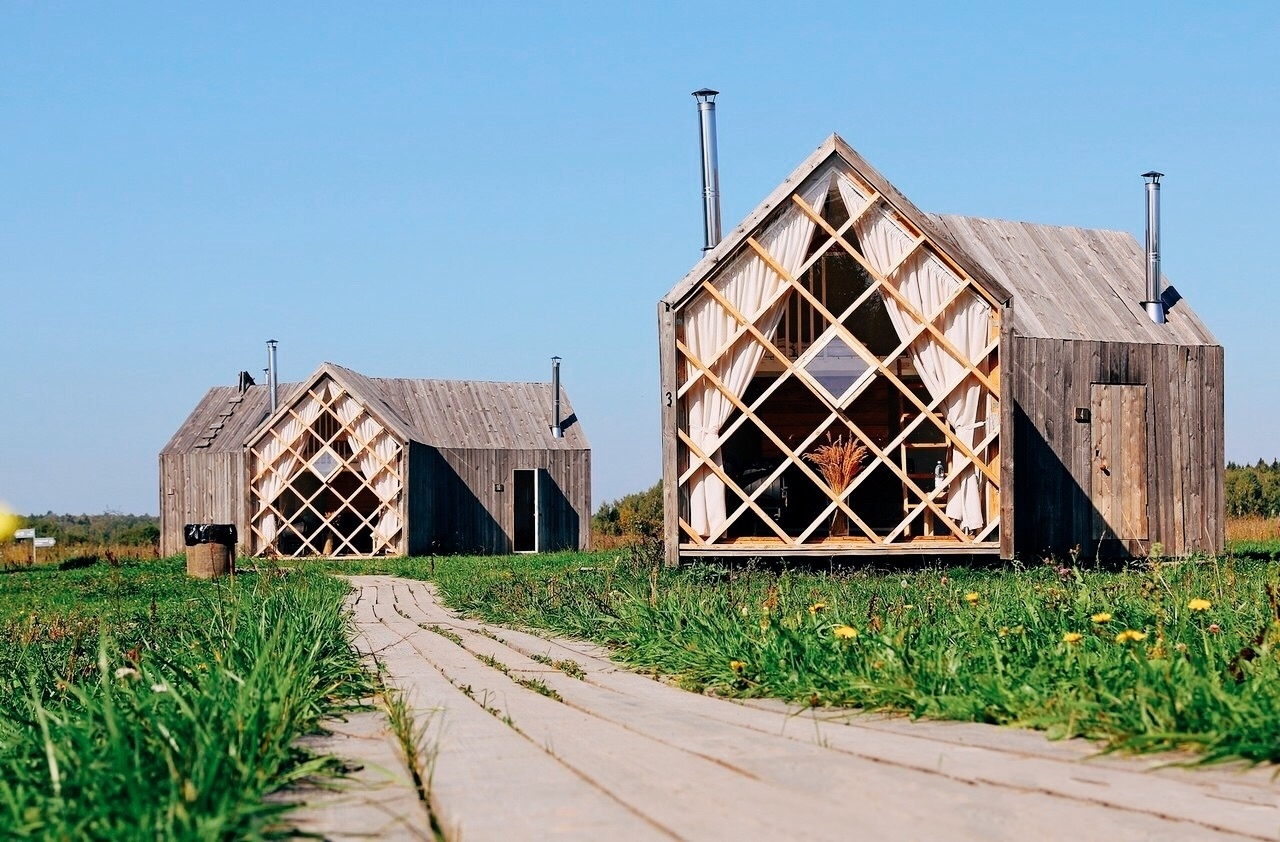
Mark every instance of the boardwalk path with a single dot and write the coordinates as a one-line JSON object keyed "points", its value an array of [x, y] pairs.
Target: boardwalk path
{"points": [[616, 755]]}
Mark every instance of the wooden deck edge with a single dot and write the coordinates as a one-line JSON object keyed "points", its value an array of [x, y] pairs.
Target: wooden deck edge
{"points": [[820, 551]]}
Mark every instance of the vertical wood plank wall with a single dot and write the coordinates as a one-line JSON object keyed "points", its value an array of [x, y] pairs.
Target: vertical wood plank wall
{"points": [[454, 505], [201, 487], [1049, 379]]}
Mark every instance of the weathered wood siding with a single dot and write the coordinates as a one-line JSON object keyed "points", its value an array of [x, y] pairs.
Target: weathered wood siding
{"points": [[203, 486], [1049, 379], [455, 507]]}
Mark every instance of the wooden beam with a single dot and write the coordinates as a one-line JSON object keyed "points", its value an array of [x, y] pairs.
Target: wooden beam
{"points": [[769, 346], [773, 299], [764, 428], [730, 484], [669, 403], [906, 305], [871, 359], [691, 532]]}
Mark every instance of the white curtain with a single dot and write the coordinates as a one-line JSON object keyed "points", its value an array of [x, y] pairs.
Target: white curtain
{"points": [[375, 447], [280, 463], [747, 283], [925, 282]]}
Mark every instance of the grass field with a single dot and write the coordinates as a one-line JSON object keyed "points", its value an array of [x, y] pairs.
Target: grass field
{"points": [[1166, 655], [137, 703]]}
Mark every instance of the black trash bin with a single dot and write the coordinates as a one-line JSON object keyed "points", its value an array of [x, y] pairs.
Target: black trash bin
{"points": [[211, 549]]}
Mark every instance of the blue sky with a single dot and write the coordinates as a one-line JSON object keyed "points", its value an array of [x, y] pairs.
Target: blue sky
{"points": [[462, 190]]}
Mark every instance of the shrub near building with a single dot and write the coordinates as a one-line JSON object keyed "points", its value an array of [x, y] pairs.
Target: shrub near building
{"points": [[628, 519]]}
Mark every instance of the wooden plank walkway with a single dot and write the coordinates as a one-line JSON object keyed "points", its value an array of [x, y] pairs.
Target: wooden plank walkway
{"points": [[617, 755]]}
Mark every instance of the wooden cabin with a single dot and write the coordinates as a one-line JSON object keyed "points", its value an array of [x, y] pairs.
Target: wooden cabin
{"points": [[1012, 396], [350, 465]]}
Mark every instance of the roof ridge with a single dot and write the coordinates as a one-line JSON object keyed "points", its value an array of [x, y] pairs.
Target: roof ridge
{"points": [[1030, 223]]}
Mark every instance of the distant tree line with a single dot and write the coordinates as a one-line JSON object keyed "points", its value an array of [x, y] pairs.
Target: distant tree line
{"points": [[105, 529], [1253, 490], [635, 516]]}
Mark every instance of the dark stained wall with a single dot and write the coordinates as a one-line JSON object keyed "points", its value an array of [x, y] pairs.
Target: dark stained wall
{"points": [[1053, 454], [455, 507]]}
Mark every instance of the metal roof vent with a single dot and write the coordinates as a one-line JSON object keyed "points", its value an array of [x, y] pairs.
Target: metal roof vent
{"points": [[557, 428], [271, 372], [710, 166], [1154, 305]]}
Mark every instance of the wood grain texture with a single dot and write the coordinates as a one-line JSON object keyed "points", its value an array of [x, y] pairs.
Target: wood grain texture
{"points": [[617, 755], [1074, 283], [1120, 468], [1057, 495]]}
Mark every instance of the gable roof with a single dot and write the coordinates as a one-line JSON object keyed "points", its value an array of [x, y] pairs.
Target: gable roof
{"points": [[229, 415], [1065, 283], [1075, 283], [464, 414]]}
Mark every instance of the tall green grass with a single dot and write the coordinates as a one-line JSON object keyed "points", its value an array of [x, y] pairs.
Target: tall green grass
{"points": [[1011, 645], [135, 703]]}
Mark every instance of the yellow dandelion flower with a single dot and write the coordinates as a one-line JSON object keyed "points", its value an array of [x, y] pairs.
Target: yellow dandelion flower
{"points": [[845, 632], [817, 606], [1199, 604], [1130, 635], [1101, 617], [1072, 637], [737, 666], [971, 597]]}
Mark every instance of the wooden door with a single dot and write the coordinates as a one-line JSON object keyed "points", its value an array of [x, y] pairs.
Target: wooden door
{"points": [[1118, 417]]}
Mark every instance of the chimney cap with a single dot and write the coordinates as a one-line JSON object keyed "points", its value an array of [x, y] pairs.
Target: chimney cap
{"points": [[1154, 176], [706, 95]]}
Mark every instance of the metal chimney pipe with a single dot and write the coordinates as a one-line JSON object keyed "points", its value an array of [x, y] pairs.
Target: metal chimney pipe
{"points": [[1155, 307], [710, 166], [271, 372], [556, 430]]}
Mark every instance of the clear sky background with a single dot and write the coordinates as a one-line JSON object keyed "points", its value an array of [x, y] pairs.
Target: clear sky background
{"points": [[461, 190]]}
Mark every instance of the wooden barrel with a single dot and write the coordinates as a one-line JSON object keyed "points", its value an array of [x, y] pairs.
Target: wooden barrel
{"points": [[209, 561]]}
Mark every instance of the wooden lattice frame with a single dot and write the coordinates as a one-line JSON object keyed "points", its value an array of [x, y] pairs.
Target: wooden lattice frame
{"points": [[326, 395], [986, 371]]}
